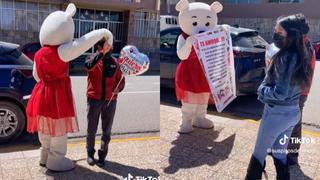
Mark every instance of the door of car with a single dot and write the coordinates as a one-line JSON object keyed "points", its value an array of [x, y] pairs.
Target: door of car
{"points": [[16, 72]]}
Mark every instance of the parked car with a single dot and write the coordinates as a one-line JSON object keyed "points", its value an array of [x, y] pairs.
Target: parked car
{"points": [[30, 49], [16, 84], [249, 58], [168, 21], [316, 46]]}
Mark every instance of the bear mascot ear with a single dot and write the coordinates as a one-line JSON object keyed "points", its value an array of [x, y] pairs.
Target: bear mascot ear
{"points": [[182, 5], [71, 10], [216, 6]]}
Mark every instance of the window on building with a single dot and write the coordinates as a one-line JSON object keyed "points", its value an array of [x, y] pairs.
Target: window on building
{"points": [[146, 24], [20, 16], [32, 17], [24, 15], [86, 20], [286, 1], [7, 15], [243, 1], [174, 1]]}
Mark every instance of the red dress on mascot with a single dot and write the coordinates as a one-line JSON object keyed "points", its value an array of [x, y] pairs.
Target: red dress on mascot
{"points": [[51, 108], [190, 78]]}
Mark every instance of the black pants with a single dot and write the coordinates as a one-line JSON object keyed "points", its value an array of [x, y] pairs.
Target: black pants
{"points": [[94, 109], [296, 133]]}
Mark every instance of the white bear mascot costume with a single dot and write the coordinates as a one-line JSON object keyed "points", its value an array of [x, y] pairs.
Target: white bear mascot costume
{"points": [[191, 84], [50, 110]]}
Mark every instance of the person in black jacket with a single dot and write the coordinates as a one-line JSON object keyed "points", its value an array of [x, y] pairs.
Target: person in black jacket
{"points": [[105, 81]]}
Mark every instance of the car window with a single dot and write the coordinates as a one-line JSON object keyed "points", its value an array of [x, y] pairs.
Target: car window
{"points": [[168, 40], [34, 47], [14, 57], [252, 41]]}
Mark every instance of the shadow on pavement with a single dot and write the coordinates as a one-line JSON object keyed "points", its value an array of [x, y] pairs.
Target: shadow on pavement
{"points": [[297, 173], [191, 151], [79, 172], [243, 107], [25, 141], [124, 170]]}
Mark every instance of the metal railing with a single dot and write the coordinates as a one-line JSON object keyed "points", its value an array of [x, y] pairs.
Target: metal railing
{"points": [[84, 26], [146, 24]]}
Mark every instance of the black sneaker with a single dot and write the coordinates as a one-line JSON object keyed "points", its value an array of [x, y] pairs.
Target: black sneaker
{"points": [[90, 158], [102, 156]]}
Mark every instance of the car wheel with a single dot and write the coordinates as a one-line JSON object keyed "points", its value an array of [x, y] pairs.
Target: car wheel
{"points": [[12, 121]]}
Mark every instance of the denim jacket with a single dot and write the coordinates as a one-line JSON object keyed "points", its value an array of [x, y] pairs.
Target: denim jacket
{"points": [[281, 90]]}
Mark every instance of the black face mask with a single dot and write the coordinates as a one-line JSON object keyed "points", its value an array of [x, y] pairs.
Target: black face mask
{"points": [[279, 40]]}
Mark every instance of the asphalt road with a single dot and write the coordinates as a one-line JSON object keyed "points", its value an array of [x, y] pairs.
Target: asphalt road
{"points": [[137, 107], [248, 107]]}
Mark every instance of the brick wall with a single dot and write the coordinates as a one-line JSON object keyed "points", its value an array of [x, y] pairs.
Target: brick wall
{"points": [[265, 26]]}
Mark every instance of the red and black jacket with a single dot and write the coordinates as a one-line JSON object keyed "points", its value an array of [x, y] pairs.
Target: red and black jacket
{"points": [[104, 75]]}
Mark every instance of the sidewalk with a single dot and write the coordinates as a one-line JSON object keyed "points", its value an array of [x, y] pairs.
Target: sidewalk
{"points": [[138, 156], [219, 154], [222, 153]]}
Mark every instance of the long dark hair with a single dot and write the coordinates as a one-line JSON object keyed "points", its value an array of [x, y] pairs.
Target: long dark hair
{"points": [[296, 28]]}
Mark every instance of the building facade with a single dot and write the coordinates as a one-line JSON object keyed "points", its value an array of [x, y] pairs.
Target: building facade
{"points": [[260, 14], [133, 22]]}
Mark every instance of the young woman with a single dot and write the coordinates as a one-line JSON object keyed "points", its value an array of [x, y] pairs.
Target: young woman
{"points": [[289, 71]]}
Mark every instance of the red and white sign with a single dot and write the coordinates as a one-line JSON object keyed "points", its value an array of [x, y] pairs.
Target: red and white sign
{"points": [[214, 50]]}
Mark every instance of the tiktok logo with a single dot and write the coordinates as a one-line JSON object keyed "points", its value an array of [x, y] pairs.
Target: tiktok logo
{"points": [[283, 140], [130, 177]]}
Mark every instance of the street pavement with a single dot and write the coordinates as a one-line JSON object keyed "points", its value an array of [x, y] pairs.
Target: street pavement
{"points": [[222, 153], [137, 107], [311, 114]]}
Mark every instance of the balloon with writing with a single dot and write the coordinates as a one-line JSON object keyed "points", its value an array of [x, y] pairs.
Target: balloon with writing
{"points": [[132, 62]]}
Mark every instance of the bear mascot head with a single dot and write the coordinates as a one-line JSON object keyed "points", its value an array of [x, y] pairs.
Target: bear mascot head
{"points": [[197, 17], [58, 30]]}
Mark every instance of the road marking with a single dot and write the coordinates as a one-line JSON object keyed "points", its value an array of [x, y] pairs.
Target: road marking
{"points": [[119, 140], [304, 131], [139, 92]]}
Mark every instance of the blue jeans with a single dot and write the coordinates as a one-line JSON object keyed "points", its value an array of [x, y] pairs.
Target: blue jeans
{"points": [[275, 131]]}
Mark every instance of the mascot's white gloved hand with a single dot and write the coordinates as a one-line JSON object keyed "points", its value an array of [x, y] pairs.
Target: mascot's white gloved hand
{"points": [[75, 48], [58, 30], [226, 27], [184, 47]]}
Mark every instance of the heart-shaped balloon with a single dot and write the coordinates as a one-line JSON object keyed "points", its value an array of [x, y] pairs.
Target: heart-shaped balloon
{"points": [[132, 62]]}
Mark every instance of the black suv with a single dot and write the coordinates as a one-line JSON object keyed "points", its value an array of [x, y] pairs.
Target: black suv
{"points": [[16, 84], [249, 58]]}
